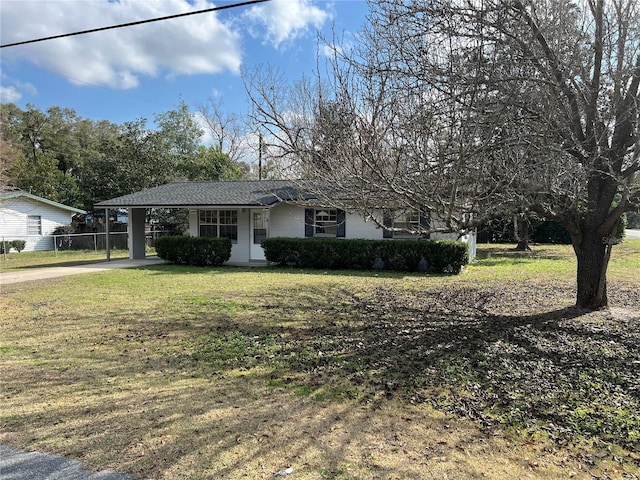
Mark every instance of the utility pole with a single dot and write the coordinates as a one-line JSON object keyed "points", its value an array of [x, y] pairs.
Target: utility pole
{"points": [[260, 156]]}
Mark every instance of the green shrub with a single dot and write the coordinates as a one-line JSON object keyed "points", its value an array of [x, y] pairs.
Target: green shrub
{"points": [[541, 231], [403, 255], [18, 245], [194, 250], [550, 232]]}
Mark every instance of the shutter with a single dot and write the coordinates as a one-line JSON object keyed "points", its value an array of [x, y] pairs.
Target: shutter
{"points": [[387, 222], [425, 222], [341, 219], [308, 222]]}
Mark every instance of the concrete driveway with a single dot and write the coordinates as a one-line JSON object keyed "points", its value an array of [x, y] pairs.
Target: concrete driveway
{"points": [[632, 233], [30, 274]]}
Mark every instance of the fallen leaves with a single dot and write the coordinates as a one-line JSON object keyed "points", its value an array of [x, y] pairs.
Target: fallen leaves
{"points": [[504, 355]]}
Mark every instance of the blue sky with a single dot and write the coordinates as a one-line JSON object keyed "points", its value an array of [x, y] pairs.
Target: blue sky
{"points": [[124, 74]]}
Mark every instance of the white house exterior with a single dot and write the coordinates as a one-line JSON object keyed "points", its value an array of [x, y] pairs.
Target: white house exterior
{"points": [[249, 211], [24, 216]]}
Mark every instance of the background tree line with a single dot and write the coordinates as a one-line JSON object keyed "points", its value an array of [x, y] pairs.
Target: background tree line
{"points": [[76, 161]]}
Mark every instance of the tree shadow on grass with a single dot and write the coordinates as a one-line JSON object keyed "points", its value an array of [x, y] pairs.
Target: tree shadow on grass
{"points": [[169, 269], [463, 351], [300, 383], [199, 428], [505, 256]]}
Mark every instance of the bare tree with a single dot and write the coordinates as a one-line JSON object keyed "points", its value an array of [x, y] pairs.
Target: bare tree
{"points": [[474, 109], [350, 135], [227, 131], [563, 77]]}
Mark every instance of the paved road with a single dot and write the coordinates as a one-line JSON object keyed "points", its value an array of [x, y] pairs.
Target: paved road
{"points": [[21, 465], [632, 233], [29, 274]]}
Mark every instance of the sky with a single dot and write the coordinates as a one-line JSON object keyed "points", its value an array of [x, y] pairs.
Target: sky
{"points": [[135, 72]]}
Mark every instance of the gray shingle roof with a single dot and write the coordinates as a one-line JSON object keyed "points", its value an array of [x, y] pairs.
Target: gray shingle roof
{"points": [[245, 193]]}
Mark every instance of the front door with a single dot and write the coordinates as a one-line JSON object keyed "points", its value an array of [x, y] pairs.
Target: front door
{"points": [[258, 231]]}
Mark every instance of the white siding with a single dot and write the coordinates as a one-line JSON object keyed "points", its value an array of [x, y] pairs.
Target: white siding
{"points": [[239, 250], [356, 227], [288, 221], [13, 221]]}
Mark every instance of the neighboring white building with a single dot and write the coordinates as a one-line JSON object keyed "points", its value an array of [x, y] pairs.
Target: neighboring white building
{"points": [[24, 216], [249, 211]]}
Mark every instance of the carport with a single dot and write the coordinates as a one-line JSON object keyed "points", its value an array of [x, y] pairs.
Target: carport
{"points": [[253, 199]]}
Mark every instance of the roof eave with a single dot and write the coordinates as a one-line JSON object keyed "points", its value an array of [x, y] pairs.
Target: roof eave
{"points": [[102, 205], [42, 200]]}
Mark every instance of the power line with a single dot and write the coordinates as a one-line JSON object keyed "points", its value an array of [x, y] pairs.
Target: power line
{"points": [[140, 22]]}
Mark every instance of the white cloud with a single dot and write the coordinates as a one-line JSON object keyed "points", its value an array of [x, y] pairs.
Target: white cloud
{"points": [[9, 94], [286, 20], [118, 58], [207, 136], [329, 51], [13, 90]]}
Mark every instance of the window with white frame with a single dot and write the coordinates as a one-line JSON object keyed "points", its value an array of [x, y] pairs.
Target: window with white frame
{"points": [[407, 221], [34, 225], [400, 223], [326, 222], [218, 223]]}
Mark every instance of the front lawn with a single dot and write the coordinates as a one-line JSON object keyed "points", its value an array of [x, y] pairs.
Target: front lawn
{"points": [[173, 372], [50, 258]]}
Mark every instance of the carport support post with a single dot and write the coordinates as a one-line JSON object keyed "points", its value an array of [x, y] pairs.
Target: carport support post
{"points": [[137, 244], [106, 237]]}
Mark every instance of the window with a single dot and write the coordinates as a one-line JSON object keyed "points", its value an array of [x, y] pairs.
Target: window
{"points": [[259, 227], [219, 223], [324, 222], [405, 221], [34, 225]]}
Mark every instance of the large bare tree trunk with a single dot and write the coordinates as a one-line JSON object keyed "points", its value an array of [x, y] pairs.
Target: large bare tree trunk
{"points": [[522, 233], [592, 254]]}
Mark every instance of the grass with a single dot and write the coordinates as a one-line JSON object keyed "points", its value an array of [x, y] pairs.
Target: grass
{"points": [[16, 261], [175, 372]]}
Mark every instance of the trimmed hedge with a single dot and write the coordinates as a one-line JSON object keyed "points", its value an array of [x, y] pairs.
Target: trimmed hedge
{"points": [[199, 251], [441, 256]]}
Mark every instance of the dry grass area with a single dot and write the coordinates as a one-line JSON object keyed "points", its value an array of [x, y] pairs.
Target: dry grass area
{"points": [[184, 373]]}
